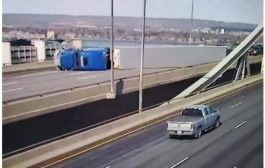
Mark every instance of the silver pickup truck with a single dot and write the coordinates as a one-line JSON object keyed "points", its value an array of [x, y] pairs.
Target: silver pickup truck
{"points": [[193, 120]]}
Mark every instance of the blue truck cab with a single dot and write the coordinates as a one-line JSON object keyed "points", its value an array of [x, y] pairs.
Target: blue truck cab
{"points": [[93, 59], [68, 59]]}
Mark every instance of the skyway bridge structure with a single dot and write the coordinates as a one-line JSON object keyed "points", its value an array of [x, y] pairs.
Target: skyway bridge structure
{"points": [[57, 151]]}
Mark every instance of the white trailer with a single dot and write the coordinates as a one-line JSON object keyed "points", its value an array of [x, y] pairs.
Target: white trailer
{"points": [[6, 53], [167, 56]]}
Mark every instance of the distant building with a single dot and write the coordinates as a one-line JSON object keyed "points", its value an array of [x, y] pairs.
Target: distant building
{"points": [[20, 42], [206, 30], [217, 31], [222, 31], [50, 35]]}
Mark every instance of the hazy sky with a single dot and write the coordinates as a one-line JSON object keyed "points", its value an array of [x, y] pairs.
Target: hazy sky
{"points": [[245, 11]]}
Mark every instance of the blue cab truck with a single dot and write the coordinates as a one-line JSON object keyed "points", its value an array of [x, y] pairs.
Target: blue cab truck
{"points": [[84, 59]]}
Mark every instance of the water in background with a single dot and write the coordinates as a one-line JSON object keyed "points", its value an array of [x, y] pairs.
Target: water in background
{"points": [[106, 43]]}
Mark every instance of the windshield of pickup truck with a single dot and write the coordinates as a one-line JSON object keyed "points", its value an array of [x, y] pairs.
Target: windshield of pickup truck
{"points": [[192, 112]]}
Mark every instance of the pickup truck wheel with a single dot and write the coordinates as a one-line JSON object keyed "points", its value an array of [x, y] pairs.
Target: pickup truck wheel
{"points": [[170, 136], [59, 68], [198, 133], [217, 123]]}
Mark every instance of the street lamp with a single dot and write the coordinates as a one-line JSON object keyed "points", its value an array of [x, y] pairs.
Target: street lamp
{"points": [[142, 61], [112, 93], [191, 22]]}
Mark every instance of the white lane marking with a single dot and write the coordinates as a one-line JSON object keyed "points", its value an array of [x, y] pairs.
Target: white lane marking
{"points": [[77, 73], [34, 74], [239, 125], [236, 105], [108, 167], [88, 77], [183, 160], [12, 90], [11, 83]]}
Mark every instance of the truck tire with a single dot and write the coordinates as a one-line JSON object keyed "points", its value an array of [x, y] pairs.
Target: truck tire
{"points": [[198, 134], [59, 68], [217, 123], [170, 136]]}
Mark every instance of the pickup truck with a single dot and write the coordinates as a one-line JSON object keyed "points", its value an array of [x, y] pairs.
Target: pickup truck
{"points": [[193, 120]]}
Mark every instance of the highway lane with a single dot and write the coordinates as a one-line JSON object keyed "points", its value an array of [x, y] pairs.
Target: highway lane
{"points": [[15, 87], [236, 143], [26, 132], [26, 85]]}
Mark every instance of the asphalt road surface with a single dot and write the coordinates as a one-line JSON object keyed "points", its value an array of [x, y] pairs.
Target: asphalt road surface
{"points": [[25, 85], [237, 143], [24, 133]]}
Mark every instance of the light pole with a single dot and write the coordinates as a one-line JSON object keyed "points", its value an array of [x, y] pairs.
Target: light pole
{"points": [[191, 22], [112, 93], [142, 61]]}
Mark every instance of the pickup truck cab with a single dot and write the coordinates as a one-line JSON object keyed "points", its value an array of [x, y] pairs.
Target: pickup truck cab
{"points": [[193, 120]]}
